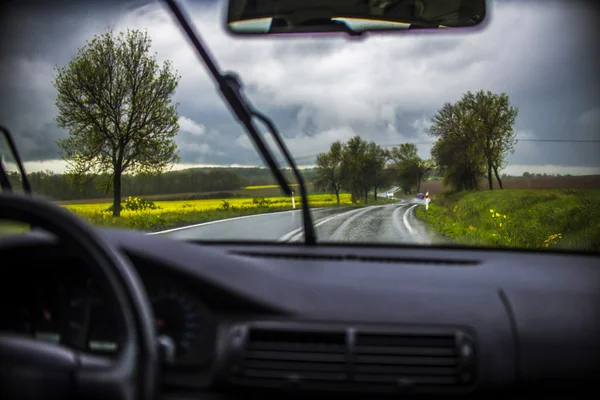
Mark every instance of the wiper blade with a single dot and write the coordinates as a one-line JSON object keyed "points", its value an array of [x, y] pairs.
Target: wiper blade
{"points": [[4, 179], [309, 230], [230, 87]]}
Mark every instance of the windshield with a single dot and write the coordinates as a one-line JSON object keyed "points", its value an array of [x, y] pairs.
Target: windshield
{"points": [[486, 137]]}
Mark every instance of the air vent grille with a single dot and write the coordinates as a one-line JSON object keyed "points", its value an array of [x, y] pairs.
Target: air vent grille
{"points": [[349, 359], [397, 359], [295, 356]]}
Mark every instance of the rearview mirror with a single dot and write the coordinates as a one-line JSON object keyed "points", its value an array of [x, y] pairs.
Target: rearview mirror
{"points": [[351, 16]]}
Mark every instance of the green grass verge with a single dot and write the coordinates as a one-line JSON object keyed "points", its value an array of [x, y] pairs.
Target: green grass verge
{"points": [[532, 219]]}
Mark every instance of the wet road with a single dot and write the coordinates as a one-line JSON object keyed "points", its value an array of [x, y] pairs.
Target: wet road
{"points": [[389, 223]]}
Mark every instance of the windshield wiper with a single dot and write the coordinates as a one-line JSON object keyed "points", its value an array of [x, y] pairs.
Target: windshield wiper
{"points": [[230, 87], [4, 178]]}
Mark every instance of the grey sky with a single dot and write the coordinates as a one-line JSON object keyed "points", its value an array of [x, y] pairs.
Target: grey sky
{"points": [[318, 90]]}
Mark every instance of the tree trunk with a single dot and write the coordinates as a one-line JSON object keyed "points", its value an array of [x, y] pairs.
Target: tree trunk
{"points": [[490, 181], [498, 178], [375, 193], [117, 194], [337, 195]]}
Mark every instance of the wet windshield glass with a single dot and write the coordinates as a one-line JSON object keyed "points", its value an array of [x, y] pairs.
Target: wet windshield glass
{"points": [[487, 137]]}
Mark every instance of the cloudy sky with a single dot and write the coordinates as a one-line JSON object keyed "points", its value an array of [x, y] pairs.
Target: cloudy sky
{"points": [[385, 88]]}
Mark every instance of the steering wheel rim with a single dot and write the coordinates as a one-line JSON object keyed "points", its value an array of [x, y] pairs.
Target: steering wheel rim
{"points": [[28, 363]]}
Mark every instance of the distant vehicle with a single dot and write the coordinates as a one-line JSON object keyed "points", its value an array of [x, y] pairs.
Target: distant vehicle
{"points": [[389, 195], [420, 196]]}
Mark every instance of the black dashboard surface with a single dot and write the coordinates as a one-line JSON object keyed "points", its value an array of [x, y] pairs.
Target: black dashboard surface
{"points": [[534, 318]]}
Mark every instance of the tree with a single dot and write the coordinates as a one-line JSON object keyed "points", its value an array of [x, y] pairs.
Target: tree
{"points": [[423, 168], [354, 165], [495, 130], [457, 152], [115, 101], [410, 168], [487, 119], [375, 159], [329, 169]]}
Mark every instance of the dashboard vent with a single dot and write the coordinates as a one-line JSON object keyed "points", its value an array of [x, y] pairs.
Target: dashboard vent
{"points": [[408, 360], [276, 355], [351, 359]]}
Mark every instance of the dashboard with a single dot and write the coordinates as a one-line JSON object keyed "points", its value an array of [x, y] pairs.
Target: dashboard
{"points": [[363, 320], [64, 304]]}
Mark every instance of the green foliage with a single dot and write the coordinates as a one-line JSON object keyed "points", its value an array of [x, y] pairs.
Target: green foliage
{"points": [[115, 101], [329, 169], [474, 136], [409, 169], [357, 166], [535, 219], [136, 204], [261, 202]]}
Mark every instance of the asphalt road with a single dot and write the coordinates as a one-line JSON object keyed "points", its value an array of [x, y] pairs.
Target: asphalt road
{"points": [[389, 223]]}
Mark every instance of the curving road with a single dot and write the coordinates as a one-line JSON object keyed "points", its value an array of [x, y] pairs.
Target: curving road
{"points": [[389, 223]]}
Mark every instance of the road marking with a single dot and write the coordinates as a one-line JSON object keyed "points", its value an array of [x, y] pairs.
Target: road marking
{"points": [[297, 233], [396, 219], [347, 222], [405, 219], [227, 220]]}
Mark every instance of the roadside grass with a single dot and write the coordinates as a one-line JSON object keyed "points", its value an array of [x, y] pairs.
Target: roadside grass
{"points": [[532, 219]]}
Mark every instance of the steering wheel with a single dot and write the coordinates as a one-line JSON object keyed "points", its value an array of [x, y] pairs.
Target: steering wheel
{"points": [[31, 368]]}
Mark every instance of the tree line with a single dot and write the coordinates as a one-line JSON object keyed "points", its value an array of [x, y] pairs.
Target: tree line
{"points": [[473, 137], [194, 180], [360, 168]]}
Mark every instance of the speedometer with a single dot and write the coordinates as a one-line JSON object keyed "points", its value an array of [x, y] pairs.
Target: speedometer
{"points": [[179, 315]]}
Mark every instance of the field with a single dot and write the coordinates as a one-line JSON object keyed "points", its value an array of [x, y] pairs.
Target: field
{"points": [[246, 192], [533, 219], [160, 215], [267, 187], [549, 182]]}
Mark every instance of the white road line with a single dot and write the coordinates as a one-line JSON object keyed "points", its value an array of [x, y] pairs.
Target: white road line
{"points": [[395, 218], [347, 222], [227, 220], [297, 233], [405, 219]]}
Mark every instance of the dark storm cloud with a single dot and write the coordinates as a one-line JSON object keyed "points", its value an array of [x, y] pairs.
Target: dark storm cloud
{"points": [[384, 88]]}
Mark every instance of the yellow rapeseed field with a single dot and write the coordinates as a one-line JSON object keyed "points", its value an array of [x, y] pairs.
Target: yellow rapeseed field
{"points": [[140, 214], [267, 186]]}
